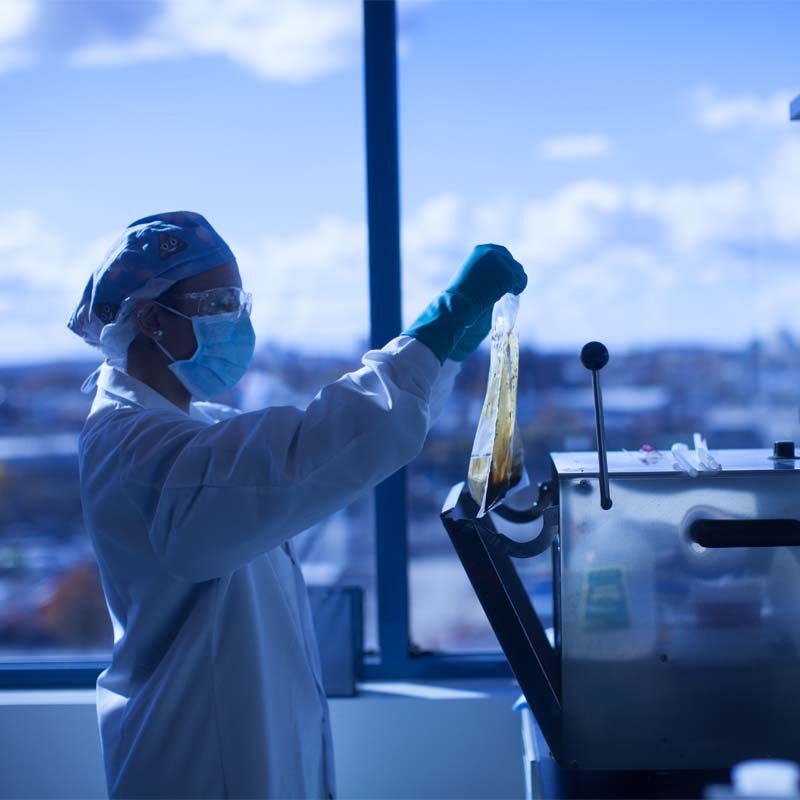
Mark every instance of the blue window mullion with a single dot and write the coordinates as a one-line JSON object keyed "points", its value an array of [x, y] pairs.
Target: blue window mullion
{"points": [[383, 222]]}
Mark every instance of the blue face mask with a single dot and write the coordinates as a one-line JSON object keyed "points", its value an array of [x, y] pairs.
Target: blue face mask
{"points": [[225, 345]]}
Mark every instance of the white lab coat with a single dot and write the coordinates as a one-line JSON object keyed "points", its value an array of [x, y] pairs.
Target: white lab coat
{"points": [[214, 688]]}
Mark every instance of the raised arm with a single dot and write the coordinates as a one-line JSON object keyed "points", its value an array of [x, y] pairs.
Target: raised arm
{"points": [[214, 497]]}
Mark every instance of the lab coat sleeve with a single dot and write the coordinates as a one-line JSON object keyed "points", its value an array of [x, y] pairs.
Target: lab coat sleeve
{"points": [[214, 497], [443, 388]]}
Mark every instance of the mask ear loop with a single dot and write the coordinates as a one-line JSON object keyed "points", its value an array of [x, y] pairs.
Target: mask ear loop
{"points": [[164, 350], [159, 333]]}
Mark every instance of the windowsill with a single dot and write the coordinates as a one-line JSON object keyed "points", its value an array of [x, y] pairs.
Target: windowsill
{"points": [[388, 690], [47, 697], [462, 689]]}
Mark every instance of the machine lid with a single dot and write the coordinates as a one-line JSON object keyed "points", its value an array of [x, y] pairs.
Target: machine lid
{"points": [[629, 464]]}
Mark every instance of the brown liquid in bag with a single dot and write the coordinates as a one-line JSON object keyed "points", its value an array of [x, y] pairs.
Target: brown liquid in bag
{"points": [[496, 464]]}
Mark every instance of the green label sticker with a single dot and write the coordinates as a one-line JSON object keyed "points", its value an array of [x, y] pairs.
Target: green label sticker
{"points": [[606, 600]]}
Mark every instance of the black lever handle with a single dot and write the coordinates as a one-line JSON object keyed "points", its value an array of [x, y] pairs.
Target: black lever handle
{"points": [[594, 357], [713, 533]]}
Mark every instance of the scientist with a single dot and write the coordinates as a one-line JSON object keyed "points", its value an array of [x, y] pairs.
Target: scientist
{"points": [[214, 688]]}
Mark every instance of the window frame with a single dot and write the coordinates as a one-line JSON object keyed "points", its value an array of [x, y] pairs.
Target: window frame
{"points": [[398, 657]]}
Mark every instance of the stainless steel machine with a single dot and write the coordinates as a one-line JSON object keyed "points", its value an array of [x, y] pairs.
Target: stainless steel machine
{"points": [[676, 603]]}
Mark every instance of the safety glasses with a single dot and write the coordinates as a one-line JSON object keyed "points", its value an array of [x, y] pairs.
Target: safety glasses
{"points": [[222, 300]]}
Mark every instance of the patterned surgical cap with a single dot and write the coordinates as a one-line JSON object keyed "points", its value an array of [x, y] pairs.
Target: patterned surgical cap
{"points": [[151, 255]]}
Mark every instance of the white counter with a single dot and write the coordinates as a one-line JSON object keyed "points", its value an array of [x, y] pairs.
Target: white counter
{"points": [[428, 739]]}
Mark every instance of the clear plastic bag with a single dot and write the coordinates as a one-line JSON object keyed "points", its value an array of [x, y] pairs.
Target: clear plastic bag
{"points": [[497, 461]]}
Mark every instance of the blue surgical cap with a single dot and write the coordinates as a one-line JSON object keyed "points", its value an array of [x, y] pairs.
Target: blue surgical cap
{"points": [[152, 254]]}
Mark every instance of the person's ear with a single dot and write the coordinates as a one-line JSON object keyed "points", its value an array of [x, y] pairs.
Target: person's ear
{"points": [[148, 320]]}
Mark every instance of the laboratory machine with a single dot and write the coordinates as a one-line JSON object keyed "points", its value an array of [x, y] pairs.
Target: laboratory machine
{"points": [[675, 645]]}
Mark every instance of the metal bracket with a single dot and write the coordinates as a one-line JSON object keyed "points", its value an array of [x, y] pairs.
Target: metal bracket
{"points": [[485, 555], [545, 507]]}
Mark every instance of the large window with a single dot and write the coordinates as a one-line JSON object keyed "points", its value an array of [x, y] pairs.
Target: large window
{"points": [[115, 110], [638, 159]]}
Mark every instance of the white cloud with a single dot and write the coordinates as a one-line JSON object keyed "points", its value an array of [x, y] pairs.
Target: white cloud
{"points": [[437, 237], [283, 40], [695, 214], [717, 112], [310, 288], [566, 223], [290, 41], [631, 299], [435, 224], [108, 53], [780, 190], [17, 18], [691, 261], [571, 148], [17, 228], [433, 239], [712, 261], [41, 279], [29, 253]]}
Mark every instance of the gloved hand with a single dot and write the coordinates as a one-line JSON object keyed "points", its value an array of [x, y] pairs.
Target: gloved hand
{"points": [[472, 338], [488, 274]]}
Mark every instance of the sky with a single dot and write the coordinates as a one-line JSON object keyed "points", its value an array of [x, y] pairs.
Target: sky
{"points": [[636, 157]]}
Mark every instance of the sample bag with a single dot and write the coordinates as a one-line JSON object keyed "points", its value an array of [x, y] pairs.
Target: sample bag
{"points": [[497, 463]]}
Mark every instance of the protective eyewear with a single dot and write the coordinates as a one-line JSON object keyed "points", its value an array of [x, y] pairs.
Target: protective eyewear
{"points": [[222, 300]]}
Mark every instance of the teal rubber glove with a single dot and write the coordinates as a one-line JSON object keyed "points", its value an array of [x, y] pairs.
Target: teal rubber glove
{"points": [[488, 274], [472, 338]]}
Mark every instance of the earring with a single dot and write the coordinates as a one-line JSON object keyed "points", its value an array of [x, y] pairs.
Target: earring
{"points": [[158, 334]]}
